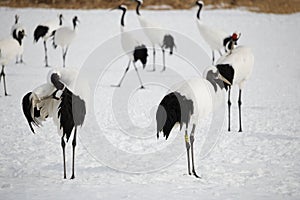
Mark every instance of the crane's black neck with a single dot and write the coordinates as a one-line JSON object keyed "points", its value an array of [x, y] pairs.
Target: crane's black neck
{"points": [[199, 10], [60, 19], [74, 22], [18, 35], [138, 8], [122, 18], [212, 77], [16, 19]]}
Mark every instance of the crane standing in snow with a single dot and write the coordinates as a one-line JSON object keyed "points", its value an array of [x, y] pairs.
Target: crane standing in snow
{"points": [[191, 102], [156, 35], [45, 30], [215, 38], [9, 49], [134, 49], [14, 29], [64, 36], [56, 100], [241, 59]]}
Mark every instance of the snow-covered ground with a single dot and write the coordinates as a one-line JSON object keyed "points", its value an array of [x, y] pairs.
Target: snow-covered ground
{"points": [[263, 162]]}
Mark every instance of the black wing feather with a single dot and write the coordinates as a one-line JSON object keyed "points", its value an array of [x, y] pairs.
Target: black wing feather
{"points": [[39, 32], [71, 112], [172, 109], [26, 105]]}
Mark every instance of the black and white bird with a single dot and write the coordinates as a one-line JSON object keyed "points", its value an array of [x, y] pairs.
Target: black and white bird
{"points": [[156, 34], [135, 50], [57, 100], [16, 27], [191, 102], [231, 42], [9, 49], [45, 30], [214, 37], [64, 36], [241, 59]]}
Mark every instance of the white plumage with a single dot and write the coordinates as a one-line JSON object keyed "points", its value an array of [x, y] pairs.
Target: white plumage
{"points": [[57, 99], [192, 101], [64, 36], [242, 61], [132, 47], [16, 27], [45, 30], [9, 49], [156, 35], [213, 36]]}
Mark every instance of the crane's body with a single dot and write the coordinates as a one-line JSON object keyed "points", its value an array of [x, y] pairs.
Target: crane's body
{"points": [[241, 59], [156, 35], [10, 48], [192, 101], [45, 31], [64, 36], [56, 99], [132, 47], [213, 36]]}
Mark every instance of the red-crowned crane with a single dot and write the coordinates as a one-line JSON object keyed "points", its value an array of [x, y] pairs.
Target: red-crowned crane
{"points": [[190, 103], [9, 49], [215, 38], [14, 29], [241, 59], [56, 99], [156, 35], [132, 47], [64, 36], [45, 30]]}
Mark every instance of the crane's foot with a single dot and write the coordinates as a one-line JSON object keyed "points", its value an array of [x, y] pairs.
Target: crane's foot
{"points": [[195, 174], [164, 69], [115, 85], [72, 177], [142, 87], [240, 130]]}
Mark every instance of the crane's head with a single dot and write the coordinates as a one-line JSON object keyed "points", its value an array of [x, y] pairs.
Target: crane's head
{"points": [[75, 21], [16, 18], [139, 1], [61, 18], [235, 36], [200, 3]]}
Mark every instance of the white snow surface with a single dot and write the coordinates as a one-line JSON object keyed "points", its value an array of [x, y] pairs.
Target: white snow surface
{"points": [[262, 162]]}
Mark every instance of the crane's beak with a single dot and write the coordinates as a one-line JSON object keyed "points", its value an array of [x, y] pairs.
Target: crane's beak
{"points": [[224, 79], [112, 9]]}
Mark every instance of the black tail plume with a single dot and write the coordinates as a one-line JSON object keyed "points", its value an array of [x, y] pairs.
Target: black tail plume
{"points": [[71, 112], [39, 32], [174, 108], [141, 53], [168, 42], [26, 106]]}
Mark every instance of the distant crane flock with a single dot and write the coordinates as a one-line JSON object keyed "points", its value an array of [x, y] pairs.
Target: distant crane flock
{"points": [[186, 105]]}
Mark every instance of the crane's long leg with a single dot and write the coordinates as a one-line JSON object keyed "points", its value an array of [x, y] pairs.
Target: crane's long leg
{"points": [[73, 159], [154, 53], [4, 82], [136, 69], [188, 146], [63, 145], [229, 105], [64, 56], [220, 52], [164, 60], [125, 72], [240, 111], [213, 57], [192, 139], [46, 56]]}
